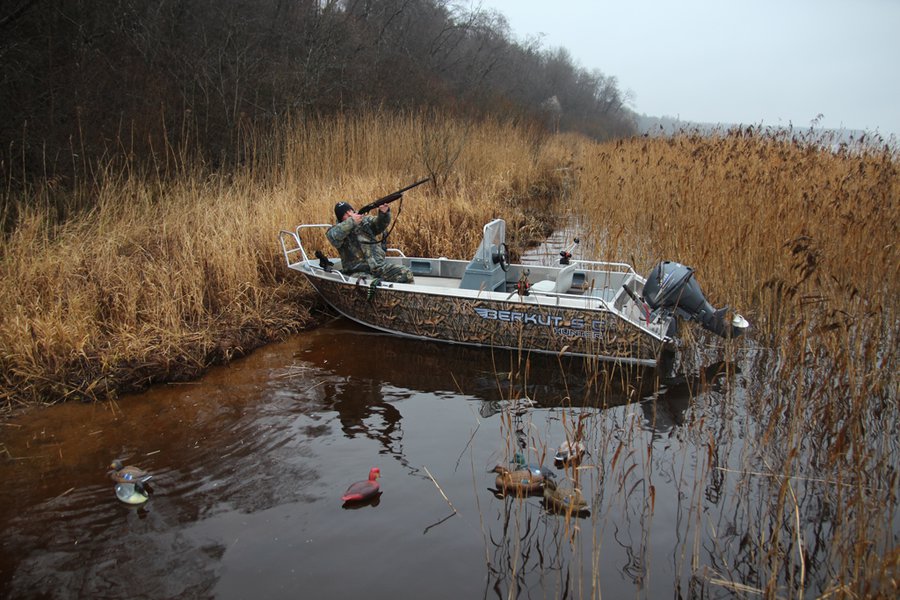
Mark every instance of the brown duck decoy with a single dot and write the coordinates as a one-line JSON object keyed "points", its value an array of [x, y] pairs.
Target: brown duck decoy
{"points": [[521, 483], [564, 499], [122, 474]]}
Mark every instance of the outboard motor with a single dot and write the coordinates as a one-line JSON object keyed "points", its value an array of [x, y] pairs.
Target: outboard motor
{"points": [[671, 288]]}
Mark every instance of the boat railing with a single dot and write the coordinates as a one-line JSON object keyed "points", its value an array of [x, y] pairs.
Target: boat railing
{"points": [[290, 253], [585, 301], [296, 246], [607, 264], [297, 240], [611, 277]]}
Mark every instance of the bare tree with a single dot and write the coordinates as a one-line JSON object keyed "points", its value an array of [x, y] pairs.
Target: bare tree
{"points": [[133, 78]]}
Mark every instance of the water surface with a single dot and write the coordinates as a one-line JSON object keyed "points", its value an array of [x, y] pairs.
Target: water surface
{"points": [[249, 464]]}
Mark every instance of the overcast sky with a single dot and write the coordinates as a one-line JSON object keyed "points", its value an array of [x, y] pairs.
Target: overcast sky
{"points": [[772, 62]]}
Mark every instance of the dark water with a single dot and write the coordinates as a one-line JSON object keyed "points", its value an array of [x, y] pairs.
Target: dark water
{"points": [[250, 462]]}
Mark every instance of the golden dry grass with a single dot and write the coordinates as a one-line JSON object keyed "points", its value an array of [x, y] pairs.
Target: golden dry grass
{"points": [[761, 216], [167, 275]]}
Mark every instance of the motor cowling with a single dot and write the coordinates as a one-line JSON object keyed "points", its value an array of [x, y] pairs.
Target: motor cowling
{"points": [[672, 289]]}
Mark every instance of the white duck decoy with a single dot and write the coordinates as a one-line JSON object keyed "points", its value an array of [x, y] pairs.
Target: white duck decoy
{"points": [[132, 493], [571, 450]]}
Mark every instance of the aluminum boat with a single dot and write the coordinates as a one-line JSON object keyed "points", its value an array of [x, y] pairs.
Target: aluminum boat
{"points": [[579, 307]]}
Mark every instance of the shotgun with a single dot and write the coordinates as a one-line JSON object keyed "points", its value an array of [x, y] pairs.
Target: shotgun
{"points": [[390, 197]]}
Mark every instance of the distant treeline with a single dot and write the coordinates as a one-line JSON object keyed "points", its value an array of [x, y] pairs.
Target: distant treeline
{"points": [[84, 80], [835, 139]]}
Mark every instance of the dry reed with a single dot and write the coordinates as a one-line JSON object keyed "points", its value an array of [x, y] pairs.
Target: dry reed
{"points": [[178, 268], [791, 484]]}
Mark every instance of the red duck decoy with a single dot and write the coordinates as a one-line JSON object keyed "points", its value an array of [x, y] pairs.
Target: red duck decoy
{"points": [[363, 490]]}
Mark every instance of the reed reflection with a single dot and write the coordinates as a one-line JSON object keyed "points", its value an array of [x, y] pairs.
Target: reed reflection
{"points": [[531, 550]]}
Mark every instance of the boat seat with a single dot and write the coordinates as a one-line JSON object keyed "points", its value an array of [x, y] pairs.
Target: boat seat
{"points": [[560, 286]]}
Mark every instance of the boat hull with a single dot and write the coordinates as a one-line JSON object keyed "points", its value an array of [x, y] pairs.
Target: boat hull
{"points": [[488, 322]]}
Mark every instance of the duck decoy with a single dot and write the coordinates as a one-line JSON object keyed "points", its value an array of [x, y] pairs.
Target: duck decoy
{"points": [[569, 451], [521, 483], [362, 491], [564, 499], [132, 493], [521, 465], [122, 474]]}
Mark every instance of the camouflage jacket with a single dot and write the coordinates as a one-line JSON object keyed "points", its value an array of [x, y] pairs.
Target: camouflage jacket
{"points": [[358, 245]]}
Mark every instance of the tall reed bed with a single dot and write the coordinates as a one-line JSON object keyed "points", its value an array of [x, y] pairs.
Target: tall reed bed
{"points": [[803, 240], [177, 267]]}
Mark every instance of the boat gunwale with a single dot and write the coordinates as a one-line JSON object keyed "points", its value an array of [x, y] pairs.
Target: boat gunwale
{"points": [[588, 303], [647, 362], [616, 276]]}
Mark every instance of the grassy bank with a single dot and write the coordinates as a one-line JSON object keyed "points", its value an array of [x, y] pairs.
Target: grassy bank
{"points": [[170, 270]]}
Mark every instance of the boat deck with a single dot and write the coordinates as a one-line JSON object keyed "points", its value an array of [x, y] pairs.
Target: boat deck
{"points": [[442, 282]]}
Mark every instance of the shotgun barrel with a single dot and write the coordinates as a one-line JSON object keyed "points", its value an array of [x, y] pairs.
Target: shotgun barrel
{"points": [[390, 197]]}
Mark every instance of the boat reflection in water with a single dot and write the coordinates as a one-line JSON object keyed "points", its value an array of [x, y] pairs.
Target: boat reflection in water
{"points": [[353, 351], [365, 360]]}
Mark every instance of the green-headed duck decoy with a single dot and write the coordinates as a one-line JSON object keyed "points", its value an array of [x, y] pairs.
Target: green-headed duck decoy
{"points": [[363, 490], [122, 474], [536, 470], [521, 483], [564, 499]]}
